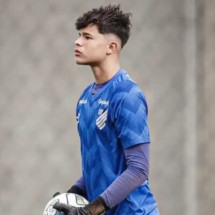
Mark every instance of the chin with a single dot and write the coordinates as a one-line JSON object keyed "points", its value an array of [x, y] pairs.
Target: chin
{"points": [[82, 63]]}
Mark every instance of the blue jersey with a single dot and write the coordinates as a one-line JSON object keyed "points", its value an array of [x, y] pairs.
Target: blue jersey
{"points": [[113, 119]]}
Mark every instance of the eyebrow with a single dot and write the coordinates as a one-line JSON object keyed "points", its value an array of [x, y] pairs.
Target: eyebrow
{"points": [[85, 34]]}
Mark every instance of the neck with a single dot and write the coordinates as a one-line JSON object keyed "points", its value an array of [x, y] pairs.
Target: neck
{"points": [[103, 73]]}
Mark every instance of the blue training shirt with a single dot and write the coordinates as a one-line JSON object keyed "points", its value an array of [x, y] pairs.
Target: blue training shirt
{"points": [[112, 120]]}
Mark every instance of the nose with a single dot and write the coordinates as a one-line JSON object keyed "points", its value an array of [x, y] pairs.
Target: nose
{"points": [[78, 42]]}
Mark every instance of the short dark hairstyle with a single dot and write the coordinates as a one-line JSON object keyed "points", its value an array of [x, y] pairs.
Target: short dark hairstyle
{"points": [[109, 19]]}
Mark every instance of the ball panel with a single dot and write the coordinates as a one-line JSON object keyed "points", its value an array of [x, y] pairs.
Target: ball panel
{"points": [[66, 198], [77, 200]]}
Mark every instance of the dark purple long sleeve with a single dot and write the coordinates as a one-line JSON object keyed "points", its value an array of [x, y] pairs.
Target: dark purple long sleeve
{"points": [[137, 160]]}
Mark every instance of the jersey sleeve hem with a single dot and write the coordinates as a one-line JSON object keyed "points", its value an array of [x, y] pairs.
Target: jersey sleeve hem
{"points": [[130, 143]]}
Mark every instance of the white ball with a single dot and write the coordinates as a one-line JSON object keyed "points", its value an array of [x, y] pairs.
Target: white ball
{"points": [[66, 198]]}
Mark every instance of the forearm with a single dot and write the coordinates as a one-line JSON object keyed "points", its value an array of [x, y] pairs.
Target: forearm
{"points": [[137, 160], [135, 174]]}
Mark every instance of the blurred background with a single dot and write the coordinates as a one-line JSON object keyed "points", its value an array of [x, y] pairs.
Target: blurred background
{"points": [[171, 55]]}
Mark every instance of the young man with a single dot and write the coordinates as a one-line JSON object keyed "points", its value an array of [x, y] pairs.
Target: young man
{"points": [[112, 123]]}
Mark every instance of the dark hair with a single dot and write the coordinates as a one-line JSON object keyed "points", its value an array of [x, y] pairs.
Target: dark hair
{"points": [[109, 19]]}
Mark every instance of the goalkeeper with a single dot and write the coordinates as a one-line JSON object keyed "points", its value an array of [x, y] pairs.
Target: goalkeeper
{"points": [[112, 123]]}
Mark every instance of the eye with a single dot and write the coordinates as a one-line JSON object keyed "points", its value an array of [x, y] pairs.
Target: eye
{"points": [[88, 37]]}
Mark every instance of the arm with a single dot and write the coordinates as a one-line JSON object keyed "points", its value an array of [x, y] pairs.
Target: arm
{"points": [[137, 160]]}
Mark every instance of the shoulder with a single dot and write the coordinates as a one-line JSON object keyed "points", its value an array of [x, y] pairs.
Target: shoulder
{"points": [[86, 90], [128, 90], [128, 95], [125, 85]]}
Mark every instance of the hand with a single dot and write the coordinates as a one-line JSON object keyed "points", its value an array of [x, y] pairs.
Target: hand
{"points": [[70, 210], [96, 207]]}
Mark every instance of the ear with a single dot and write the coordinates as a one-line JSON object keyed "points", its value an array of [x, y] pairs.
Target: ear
{"points": [[112, 48]]}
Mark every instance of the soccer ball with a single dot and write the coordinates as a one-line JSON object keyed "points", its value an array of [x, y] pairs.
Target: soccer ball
{"points": [[66, 198]]}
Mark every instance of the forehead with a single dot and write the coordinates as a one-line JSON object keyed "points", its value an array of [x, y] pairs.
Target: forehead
{"points": [[90, 29]]}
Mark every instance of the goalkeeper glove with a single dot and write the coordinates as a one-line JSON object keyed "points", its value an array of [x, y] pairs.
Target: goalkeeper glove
{"points": [[96, 207]]}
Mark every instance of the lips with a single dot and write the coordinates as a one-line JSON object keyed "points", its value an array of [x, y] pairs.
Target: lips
{"points": [[77, 52]]}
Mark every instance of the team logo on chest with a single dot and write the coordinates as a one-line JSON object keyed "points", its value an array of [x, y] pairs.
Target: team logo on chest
{"points": [[102, 114], [101, 120]]}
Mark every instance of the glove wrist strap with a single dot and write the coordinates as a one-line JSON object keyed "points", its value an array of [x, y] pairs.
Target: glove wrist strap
{"points": [[97, 207]]}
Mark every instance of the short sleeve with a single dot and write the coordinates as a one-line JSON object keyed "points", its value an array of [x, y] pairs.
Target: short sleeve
{"points": [[131, 121]]}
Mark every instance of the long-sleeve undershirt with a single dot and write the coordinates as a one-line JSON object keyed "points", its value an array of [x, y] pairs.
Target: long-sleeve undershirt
{"points": [[137, 160]]}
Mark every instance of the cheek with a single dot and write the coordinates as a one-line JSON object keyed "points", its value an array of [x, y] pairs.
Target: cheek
{"points": [[98, 51]]}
